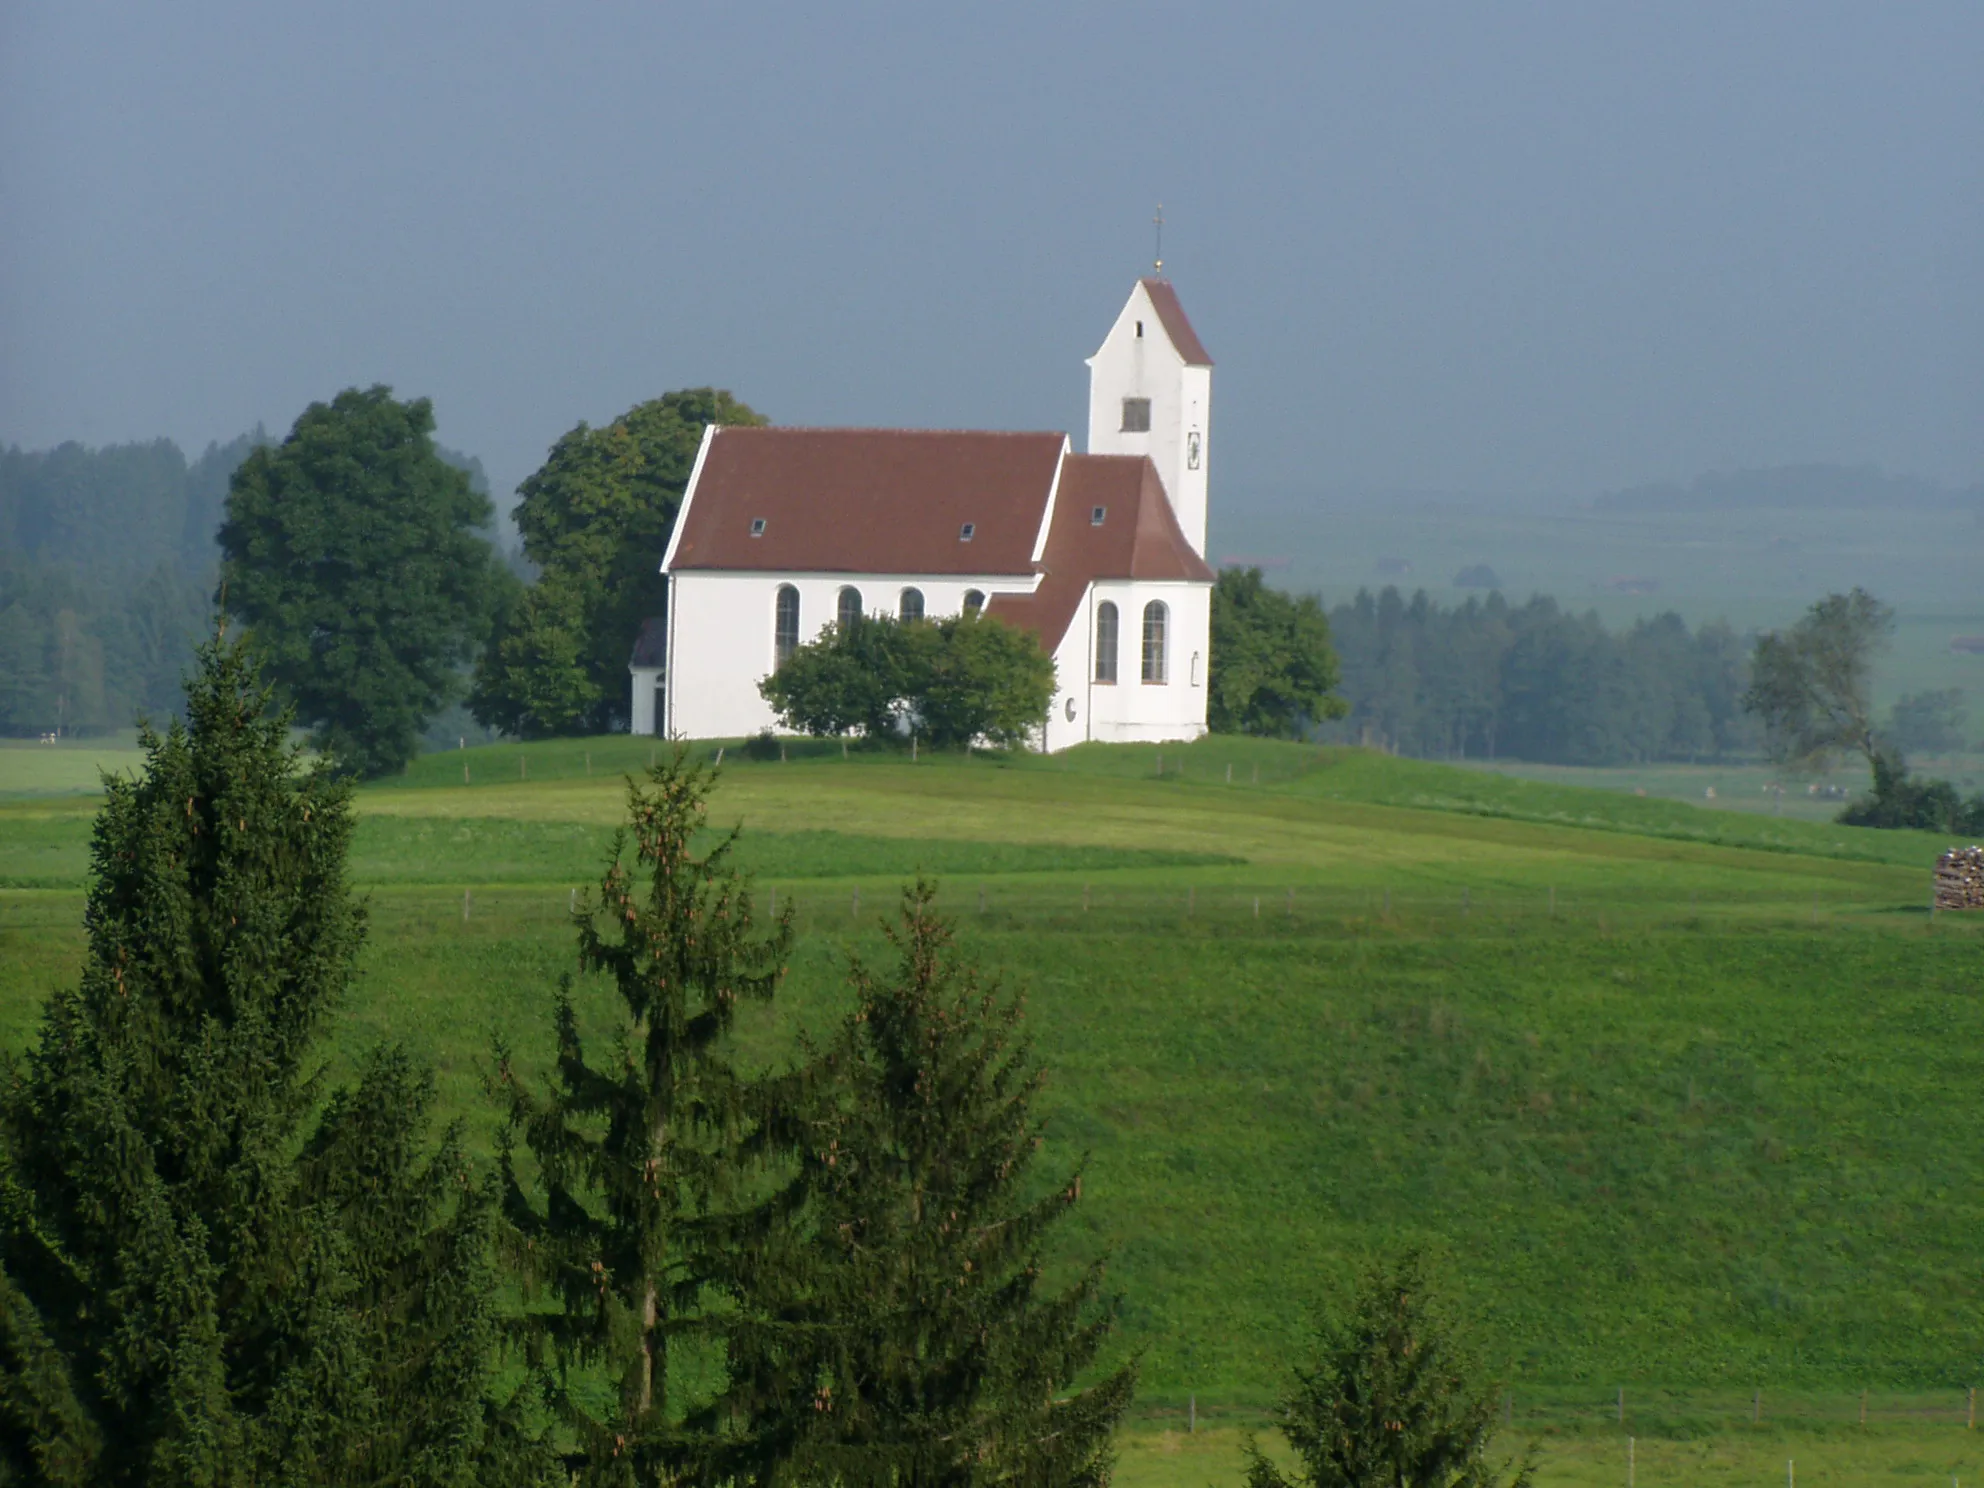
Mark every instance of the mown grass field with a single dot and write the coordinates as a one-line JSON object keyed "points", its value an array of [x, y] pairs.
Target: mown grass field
{"points": [[1689, 1102]]}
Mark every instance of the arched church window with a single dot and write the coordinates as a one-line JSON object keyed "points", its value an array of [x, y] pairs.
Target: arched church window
{"points": [[1154, 618], [785, 625], [974, 601], [910, 607], [1105, 642], [849, 609]]}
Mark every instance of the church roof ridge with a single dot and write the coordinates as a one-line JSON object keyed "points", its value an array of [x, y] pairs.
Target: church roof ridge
{"points": [[872, 429]]}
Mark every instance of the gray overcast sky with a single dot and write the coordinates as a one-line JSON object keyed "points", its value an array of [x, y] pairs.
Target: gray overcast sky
{"points": [[1471, 247]]}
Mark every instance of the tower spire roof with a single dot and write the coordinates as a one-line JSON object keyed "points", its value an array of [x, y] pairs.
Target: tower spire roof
{"points": [[1171, 314]]}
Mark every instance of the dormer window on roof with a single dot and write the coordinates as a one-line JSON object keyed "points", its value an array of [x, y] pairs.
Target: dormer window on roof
{"points": [[967, 532], [1096, 514], [757, 526]]}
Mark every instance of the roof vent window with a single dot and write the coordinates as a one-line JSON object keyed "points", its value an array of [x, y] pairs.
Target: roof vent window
{"points": [[1096, 514], [966, 532], [757, 526]]}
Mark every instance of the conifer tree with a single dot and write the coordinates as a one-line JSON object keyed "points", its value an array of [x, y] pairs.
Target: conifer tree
{"points": [[195, 1289], [903, 1334], [1393, 1397], [629, 1221]]}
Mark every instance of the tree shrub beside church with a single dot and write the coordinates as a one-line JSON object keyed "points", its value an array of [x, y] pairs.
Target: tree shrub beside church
{"points": [[1274, 671], [950, 682]]}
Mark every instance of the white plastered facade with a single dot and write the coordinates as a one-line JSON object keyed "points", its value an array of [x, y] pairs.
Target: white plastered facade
{"points": [[1131, 710], [722, 634]]}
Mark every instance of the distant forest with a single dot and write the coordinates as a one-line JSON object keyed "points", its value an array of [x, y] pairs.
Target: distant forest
{"points": [[107, 574], [1488, 679]]}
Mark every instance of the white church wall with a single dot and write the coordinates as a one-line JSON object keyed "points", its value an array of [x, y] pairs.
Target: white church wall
{"points": [[1179, 441], [721, 640], [1131, 710]]}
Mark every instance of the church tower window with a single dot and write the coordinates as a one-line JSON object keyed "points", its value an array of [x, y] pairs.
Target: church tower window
{"points": [[911, 605], [849, 608], [1154, 618], [785, 626], [1105, 642], [1136, 416]]}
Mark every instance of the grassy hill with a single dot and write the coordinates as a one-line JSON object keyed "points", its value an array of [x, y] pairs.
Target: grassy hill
{"points": [[1687, 1099]]}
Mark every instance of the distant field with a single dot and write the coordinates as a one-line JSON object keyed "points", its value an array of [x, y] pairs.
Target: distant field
{"points": [[31, 769], [1687, 1099], [1750, 788]]}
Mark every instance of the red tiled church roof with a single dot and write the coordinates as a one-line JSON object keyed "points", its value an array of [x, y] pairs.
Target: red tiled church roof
{"points": [[1171, 311], [869, 501], [1139, 538]]}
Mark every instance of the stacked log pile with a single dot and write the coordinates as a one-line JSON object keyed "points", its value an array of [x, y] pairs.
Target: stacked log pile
{"points": [[1960, 879]]}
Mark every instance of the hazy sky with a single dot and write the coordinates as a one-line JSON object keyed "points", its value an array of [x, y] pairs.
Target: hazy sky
{"points": [[1503, 247]]}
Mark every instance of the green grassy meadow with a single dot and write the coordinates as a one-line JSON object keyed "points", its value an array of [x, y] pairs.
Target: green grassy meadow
{"points": [[1689, 1101]]}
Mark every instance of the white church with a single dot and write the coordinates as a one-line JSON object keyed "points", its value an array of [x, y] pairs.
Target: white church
{"points": [[1101, 555]]}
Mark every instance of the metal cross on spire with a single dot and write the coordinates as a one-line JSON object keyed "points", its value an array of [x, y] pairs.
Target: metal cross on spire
{"points": [[1157, 259]]}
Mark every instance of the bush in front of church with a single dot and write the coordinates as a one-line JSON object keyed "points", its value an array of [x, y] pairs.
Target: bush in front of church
{"points": [[948, 683]]}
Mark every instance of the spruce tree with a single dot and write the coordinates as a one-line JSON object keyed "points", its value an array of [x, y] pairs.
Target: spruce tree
{"points": [[629, 1220], [1393, 1397], [198, 1286], [903, 1334]]}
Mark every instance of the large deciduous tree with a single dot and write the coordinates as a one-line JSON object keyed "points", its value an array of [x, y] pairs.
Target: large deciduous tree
{"points": [[1391, 1395], [595, 519], [905, 1331], [199, 1284], [1272, 670], [622, 1219], [1812, 686], [353, 553]]}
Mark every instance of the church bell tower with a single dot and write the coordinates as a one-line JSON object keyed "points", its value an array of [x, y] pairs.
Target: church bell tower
{"points": [[1150, 393]]}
